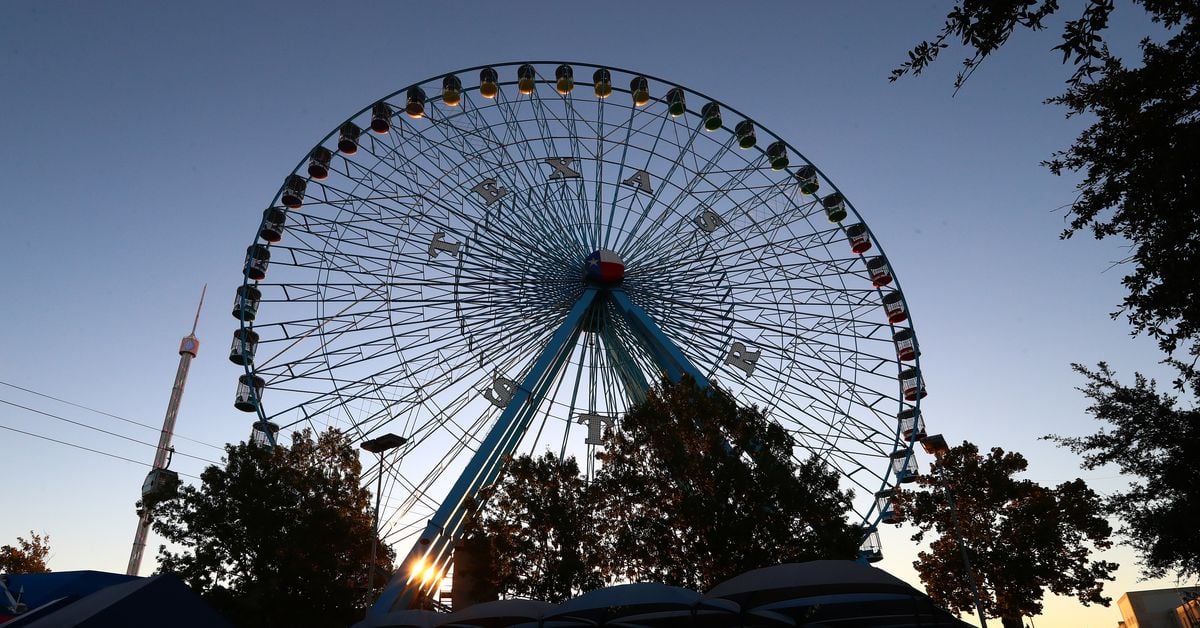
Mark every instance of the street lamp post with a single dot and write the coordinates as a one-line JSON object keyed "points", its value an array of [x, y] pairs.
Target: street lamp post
{"points": [[379, 445], [936, 445]]}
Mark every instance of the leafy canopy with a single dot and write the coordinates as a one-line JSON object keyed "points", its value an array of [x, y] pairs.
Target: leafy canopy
{"points": [[27, 556], [278, 537], [537, 531], [695, 489], [692, 490], [1023, 538], [1147, 436], [1139, 181]]}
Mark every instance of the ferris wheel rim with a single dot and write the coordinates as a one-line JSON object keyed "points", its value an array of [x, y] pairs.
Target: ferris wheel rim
{"points": [[245, 325]]}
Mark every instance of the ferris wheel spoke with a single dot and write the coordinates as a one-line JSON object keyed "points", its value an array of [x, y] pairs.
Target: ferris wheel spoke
{"points": [[597, 218], [413, 495], [316, 403], [693, 191], [756, 196], [827, 401], [449, 211], [524, 178], [572, 202], [433, 168], [352, 353], [474, 115], [724, 220], [785, 331], [333, 261], [524, 184], [702, 255], [556, 388], [714, 253], [579, 148], [875, 396], [646, 167], [610, 209], [353, 226], [318, 239], [514, 127], [424, 486], [574, 117], [430, 424], [552, 248], [684, 193], [835, 391], [403, 202], [777, 250], [315, 327], [435, 223], [316, 360], [631, 362]]}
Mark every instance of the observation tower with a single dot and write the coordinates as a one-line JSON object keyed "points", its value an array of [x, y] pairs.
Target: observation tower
{"points": [[160, 479]]}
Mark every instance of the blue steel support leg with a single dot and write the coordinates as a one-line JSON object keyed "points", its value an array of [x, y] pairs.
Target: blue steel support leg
{"points": [[436, 543], [668, 356], [627, 370]]}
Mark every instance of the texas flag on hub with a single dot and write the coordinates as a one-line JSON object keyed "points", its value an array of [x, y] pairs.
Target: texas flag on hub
{"points": [[604, 266]]}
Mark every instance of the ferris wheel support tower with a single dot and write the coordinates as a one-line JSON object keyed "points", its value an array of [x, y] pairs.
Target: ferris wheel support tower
{"points": [[160, 476]]}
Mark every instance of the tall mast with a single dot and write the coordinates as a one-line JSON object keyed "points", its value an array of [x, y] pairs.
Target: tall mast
{"points": [[159, 475]]}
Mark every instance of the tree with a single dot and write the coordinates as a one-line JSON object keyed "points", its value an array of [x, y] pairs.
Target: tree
{"points": [[279, 536], [1154, 440], [1139, 183], [538, 531], [1023, 538], [27, 556], [1137, 158], [693, 490]]}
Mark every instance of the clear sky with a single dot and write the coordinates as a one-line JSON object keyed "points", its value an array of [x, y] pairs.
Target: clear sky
{"points": [[144, 139]]}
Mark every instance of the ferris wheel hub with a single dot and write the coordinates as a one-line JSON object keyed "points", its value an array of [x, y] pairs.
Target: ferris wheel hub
{"points": [[604, 267]]}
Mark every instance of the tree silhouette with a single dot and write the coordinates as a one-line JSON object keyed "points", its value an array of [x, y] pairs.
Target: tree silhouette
{"points": [[1139, 184], [536, 530], [1023, 538], [278, 537], [1137, 157], [27, 556], [1150, 438], [693, 490]]}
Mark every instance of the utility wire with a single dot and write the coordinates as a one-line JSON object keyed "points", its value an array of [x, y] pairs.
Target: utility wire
{"points": [[107, 414], [95, 451], [103, 431]]}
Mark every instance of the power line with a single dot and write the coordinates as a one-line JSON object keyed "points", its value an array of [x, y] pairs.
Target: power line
{"points": [[103, 431], [107, 414], [95, 451]]}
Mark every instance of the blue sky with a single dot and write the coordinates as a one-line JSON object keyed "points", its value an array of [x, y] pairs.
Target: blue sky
{"points": [[144, 139]]}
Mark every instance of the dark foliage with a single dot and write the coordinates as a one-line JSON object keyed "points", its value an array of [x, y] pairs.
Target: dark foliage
{"points": [[1139, 184], [983, 26], [278, 537], [696, 490], [693, 490], [1024, 538], [27, 556], [1137, 159], [1148, 437], [538, 531]]}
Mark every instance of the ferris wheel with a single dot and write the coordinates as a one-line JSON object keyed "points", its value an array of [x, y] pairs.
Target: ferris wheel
{"points": [[501, 260]]}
